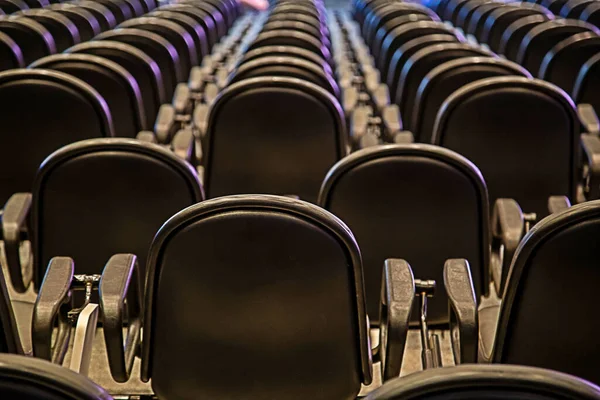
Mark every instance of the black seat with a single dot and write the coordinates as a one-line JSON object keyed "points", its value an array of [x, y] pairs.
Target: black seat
{"points": [[441, 81], [30, 378], [87, 24], [174, 33], [404, 33], [423, 61], [193, 27], [253, 149], [291, 38], [465, 12], [63, 30], [211, 10], [402, 55], [408, 201], [496, 122], [34, 40], [290, 16], [591, 14], [157, 48], [13, 6], [201, 16], [587, 83], [574, 8], [41, 111], [515, 33], [10, 53], [114, 83], [501, 18], [285, 51], [123, 180], [103, 14], [487, 382], [287, 66], [255, 295], [143, 68], [562, 64], [476, 24], [541, 38], [294, 25], [119, 8], [553, 5]]}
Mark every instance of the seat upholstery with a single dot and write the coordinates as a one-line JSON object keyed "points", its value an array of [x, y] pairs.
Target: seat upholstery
{"points": [[32, 37], [421, 203], [29, 378], [514, 116], [545, 313], [41, 111], [269, 291], [487, 382], [273, 135], [125, 182]]}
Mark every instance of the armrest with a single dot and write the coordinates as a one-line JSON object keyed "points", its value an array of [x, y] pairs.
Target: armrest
{"points": [[369, 139], [201, 113], [146, 136], [464, 328], [211, 91], [508, 224], [591, 150], [120, 286], [181, 99], [381, 96], [165, 125], [558, 204], [404, 137], [14, 221], [196, 79], [391, 120], [349, 99], [397, 296], [588, 118], [52, 305], [183, 144]]}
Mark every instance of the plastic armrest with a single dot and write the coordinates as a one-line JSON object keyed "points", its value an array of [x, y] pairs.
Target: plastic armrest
{"points": [[508, 227], [201, 113], [14, 221], [183, 144], [558, 204], [120, 287], [588, 118], [181, 99], [404, 137], [464, 328], [146, 136], [196, 79], [52, 305], [591, 150], [397, 296], [165, 125]]}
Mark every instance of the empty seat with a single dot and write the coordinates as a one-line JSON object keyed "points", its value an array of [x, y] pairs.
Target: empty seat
{"points": [[87, 24], [421, 203], [143, 68], [114, 83], [497, 122], [43, 110], [34, 379], [201, 16], [11, 55], [291, 38], [284, 51], [34, 40], [103, 14], [587, 83], [123, 181], [515, 33], [441, 81], [273, 135], [487, 382], [63, 30], [193, 27]]}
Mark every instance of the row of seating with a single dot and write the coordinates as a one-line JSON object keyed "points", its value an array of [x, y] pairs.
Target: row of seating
{"points": [[280, 280]]}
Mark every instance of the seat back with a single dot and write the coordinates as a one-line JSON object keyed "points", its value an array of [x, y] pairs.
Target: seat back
{"points": [[114, 83], [41, 111], [546, 316], [421, 203], [101, 197], [11, 56], [63, 30], [31, 378], [267, 291], [487, 382], [87, 24], [445, 79], [514, 34], [32, 37], [587, 83], [273, 135]]}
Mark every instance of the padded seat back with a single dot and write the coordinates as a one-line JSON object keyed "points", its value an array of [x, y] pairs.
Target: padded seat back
{"points": [[11, 55], [63, 30], [87, 24], [286, 51], [101, 197], [41, 111], [514, 34], [267, 291], [497, 122], [273, 135], [34, 40], [201, 16], [545, 313], [421, 203]]}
